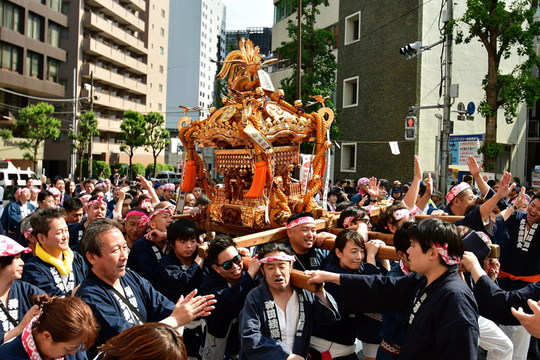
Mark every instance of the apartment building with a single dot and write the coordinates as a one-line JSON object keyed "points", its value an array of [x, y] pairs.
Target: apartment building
{"points": [[194, 42], [117, 60], [30, 56]]}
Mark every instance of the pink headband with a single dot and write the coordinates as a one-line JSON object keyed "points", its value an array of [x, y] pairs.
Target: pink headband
{"points": [[300, 221], [157, 212], [85, 197], [21, 190], [55, 191], [145, 203], [443, 251], [98, 200], [168, 187], [35, 190], [144, 221], [267, 259], [135, 213], [401, 214], [363, 181], [456, 190], [9, 247], [347, 221], [27, 233], [102, 185]]}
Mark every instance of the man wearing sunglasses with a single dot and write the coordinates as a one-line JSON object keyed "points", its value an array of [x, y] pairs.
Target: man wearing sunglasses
{"points": [[230, 284]]}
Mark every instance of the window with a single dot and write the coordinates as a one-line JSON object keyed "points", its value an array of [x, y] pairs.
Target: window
{"points": [[160, 107], [11, 57], [283, 8], [162, 31], [161, 50], [350, 92], [34, 64], [56, 5], [348, 157], [11, 16], [163, 13], [52, 70], [53, 36], [352, 28], [161, 69], [160, 87], [35, 26], [504, 160]]}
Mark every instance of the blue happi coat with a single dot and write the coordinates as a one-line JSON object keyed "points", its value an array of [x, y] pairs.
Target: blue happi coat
{"points": [[260, 337]]}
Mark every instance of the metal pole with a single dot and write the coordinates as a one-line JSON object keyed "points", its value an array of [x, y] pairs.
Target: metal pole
{"points": [[445, 136], [299, 53], [91, 109], [73, 120]]}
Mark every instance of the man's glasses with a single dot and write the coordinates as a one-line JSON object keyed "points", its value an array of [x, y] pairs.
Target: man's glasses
{"points": [[227, 265]]}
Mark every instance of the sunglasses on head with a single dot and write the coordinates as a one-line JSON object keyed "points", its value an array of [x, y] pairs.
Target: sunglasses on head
{"points": [[227, 265]]}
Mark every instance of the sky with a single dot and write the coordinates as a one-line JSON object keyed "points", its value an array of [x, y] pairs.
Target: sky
{"points": [[249, 13]]}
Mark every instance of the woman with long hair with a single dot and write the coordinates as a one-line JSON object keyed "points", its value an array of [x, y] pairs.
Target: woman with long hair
{"points": [[64, 326]]}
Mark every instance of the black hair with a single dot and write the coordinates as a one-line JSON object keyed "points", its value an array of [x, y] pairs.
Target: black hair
{"points": [[349, 235], [345, 205], [6, 260], [202, 200], [182, 229], [298, 215], [429, 231], [402, 240], [273, 247], [43, 194], [96, 193], [355, 211], [91, 242], [388, 215], [41, 222], [72, 204], [216, 246]]}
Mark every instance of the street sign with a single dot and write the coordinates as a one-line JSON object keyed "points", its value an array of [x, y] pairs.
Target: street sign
{"points": [[470, 108]]}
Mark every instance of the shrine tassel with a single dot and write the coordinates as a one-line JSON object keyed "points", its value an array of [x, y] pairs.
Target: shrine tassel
{"points": [[259, 180], [190, 176]]}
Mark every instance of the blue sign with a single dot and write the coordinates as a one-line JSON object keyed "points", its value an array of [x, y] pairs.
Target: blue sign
{"points": [[470, 108], [461, 146]]}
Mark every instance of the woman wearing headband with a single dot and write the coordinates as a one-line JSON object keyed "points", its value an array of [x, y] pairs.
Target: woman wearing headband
{"points": [[64, 326], [15, 307], [351, 255]]}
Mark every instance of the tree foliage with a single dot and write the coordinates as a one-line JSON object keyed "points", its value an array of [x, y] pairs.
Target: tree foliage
{"points": [[100, 169], [88, 127], [133, 134], [157, 137], [506, 29], [318, 64], [35, 125]]}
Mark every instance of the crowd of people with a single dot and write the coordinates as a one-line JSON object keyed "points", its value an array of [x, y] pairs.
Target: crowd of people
{"points": [[105, 271]]}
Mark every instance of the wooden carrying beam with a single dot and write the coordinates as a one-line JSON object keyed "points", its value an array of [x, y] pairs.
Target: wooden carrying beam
{"points": [[449, 218], [387, 238]]}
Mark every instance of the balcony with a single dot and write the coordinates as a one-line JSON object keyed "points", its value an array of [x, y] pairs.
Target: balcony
{"points": [[119, 58], [99, 147], [99, 24], [114, 79], [105, 124], [139, 4], [119, 12], [115, 102]]}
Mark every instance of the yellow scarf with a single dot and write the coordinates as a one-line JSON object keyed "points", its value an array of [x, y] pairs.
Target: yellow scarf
{"points": [[63, 267]]}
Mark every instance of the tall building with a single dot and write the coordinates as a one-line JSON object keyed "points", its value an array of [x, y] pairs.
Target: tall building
{"points": [[261, 37], [30, 55], [191, 73], [117, 60]]}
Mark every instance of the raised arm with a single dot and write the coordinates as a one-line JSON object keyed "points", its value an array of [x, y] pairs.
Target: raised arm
{"points": [[475, 170], [410, 197], [504, 190]]}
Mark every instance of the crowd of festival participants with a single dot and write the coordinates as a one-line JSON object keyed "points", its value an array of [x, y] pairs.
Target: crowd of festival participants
{"points": [[103, 271]]}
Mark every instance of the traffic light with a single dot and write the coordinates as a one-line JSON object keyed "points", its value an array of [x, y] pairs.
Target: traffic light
{"points": [[410, 127], [411, 50]]}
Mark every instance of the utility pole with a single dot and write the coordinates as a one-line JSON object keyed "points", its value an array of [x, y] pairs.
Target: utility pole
{"points": [[73, 121], [299, 53], [91, 109], [445, 137]]}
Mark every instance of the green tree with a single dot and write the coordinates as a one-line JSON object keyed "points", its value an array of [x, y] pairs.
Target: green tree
{"points": [[88, 127], [505, 29], [137, 169], [133, 131], [99, 168], [318, 65], [35, 125], [157, 137]]}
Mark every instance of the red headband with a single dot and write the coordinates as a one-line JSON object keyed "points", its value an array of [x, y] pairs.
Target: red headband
{"points": [[300, 221]]}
